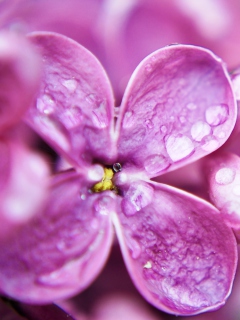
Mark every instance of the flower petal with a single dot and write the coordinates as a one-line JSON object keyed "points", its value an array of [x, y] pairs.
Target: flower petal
{"points": [[63, 249], [178, 106], [19, 77], [180, 255], [23, 186], [224, 186], [74, 106]]}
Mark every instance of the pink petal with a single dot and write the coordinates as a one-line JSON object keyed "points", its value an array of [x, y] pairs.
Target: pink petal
{"points": [[224, 187], [74, 106], [63, 249], [19, 77], [180, 255], [23, 187], [178, 107]]}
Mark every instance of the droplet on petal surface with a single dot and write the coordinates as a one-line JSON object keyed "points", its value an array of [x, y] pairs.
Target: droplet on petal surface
{"points": [[155, 163], [179, 147], [70, 84], [45, 104], [137, 197], [225, 176], [199, 130], [216, 115], [128, 119]]}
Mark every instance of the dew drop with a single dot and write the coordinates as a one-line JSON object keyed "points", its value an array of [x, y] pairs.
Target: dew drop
{"points": [[236, 190], [83, 196], [138, 196], [148, 265], [149, 124], [163, 129], [128, 120], [148, 68], [117, 167], [225, 176], [102, 205], [179, 147], [70, 84], [99, 116], [191, 106], [199, 130], [155, 163], [45, 104], [91, 98], [216, 115], [55, 278], [135, 248], [71, 118], [210, 145]]}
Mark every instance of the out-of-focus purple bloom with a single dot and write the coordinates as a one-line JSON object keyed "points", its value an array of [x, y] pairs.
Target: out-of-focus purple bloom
{"points": [[23, 172], [178, 107], [122, 32]]}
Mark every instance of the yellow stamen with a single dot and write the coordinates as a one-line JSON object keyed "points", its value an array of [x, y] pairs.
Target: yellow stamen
{"points": [[106, 183]]}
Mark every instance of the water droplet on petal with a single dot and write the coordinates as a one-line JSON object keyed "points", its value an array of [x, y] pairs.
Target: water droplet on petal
{"points": [[149, 124], [71, 118], [210, 145], [225, 176], [135, 248], [128, 120], [216, 115], [179, 147], [91, 98], [99, 116], [148, 68], [148, 265], [199, 130], [83, 196], [45, 104], [155, 163], [191, 106], [138, 196], [236, 190], [70, 84], [163, 129], [102, 205]]}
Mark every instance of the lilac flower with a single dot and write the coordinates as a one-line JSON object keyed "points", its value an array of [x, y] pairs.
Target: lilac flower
{"points": [[178, 107], [22, 171]]}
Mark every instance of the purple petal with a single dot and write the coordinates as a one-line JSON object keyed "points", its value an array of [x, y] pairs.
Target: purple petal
{"points": [[63, 249], [180, 255], [19, 77], [74, 106], [23, 186], [178, 107], [224, 187]]}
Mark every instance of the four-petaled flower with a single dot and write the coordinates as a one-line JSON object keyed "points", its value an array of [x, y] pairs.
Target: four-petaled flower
{"points": [[178, 107]]}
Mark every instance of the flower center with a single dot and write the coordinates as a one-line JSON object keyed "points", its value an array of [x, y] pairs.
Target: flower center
{"points": [[107, 183]]}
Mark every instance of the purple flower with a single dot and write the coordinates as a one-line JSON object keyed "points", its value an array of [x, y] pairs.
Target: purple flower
{"points": [[178, 107], [21, 185]]}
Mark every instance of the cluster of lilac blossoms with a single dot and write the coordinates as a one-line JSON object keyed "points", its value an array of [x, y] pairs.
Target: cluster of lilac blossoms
{"points": [[178, 107]]}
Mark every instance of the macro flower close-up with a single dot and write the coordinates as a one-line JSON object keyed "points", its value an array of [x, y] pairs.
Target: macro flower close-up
{"points": [[178, 107]]}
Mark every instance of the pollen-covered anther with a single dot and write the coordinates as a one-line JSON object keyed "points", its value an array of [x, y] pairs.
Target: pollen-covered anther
{"points": [[106, 183]]}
